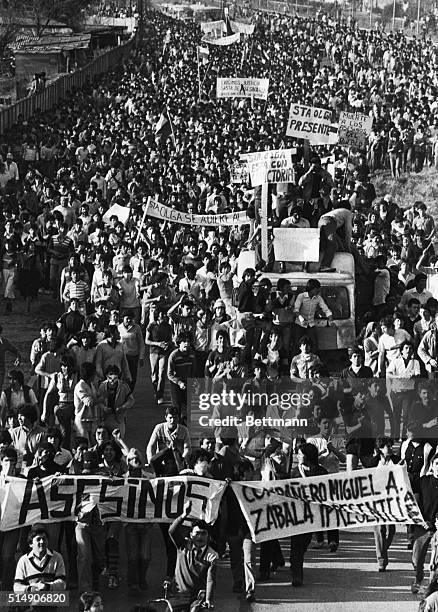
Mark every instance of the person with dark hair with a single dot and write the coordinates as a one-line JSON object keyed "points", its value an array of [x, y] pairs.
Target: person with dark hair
{"points": [[90, 601], [195, 561], [428, 350], [28, 435], [59, 400], [402, 371], [303, 364], [14, 395], [71, 322], [305, 307], [6, 347], [129, 293], [115, 399], [181, 367], [308, 465], [87, 413], [132, 340], [357, 369], [170, 434], [49, 364], [112, 352], [44, 462], [159, 339], [41, 569]]}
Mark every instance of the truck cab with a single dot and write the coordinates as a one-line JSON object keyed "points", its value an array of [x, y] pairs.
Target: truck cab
{"points": [[337, 290]]}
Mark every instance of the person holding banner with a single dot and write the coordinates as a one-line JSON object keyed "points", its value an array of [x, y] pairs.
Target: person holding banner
{"points": [[308, 465]]}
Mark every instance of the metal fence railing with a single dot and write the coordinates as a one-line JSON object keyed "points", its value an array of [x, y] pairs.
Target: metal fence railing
{"points": [[59, 89]]}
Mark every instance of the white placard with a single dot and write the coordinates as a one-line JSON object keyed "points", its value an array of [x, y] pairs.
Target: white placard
{"points": [[121, 212], [242, 88], [296, 244], [312, 123], [270, 166], [354, 129], [222, 41]]}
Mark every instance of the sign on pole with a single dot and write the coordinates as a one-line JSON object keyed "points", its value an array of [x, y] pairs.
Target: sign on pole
{"points": [[311, 123], [242, 88], [296, 244], [264, 222], [354, 129], [270, 166]]}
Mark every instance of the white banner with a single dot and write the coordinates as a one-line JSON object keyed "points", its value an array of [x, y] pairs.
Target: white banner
{"points": [[296, 244], [244, 28], [270, 166], [354, 129], [121, 212], [312, 123], [345, 500], [222, 41], [215, 28], [159, 500], [165, 213], [242, 88]]}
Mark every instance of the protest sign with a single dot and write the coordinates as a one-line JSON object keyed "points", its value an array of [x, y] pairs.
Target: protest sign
{"points": [[223, 41], [165, 213], [354, 129], [345, 500], [296, 244], [159, 500], [312, 123], [270, 166], [239, 173], [244, 28], [213, 28], [242, 88], [121, 212]]}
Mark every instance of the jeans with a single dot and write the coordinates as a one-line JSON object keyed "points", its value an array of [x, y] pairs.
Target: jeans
{"points": [[112, 547], [56, 267], [8, 283], [133, 369], [91, 555], [170, 550], [138, 552], [242, 558], [419, 552], [158, 372], [383, 536], [298, 546], [179, 398], [400, 406], [64, 414]]}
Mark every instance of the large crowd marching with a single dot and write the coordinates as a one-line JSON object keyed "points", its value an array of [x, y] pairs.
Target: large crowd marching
{"points": [[137, 289]]}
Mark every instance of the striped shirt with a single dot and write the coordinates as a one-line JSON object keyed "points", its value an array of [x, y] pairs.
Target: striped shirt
{"points": [[50, 570], [77, 290], [61, 246]]}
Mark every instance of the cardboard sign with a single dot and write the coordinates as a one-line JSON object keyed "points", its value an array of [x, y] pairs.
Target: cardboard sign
{"points": [[160, 500], [354, 129], [242, 88], [345, 500], [213, 28], [270, 166], [239, 173], [223, 41], [296, 244], [244, 28], [165, 213], [121, 212], [312, 123]]}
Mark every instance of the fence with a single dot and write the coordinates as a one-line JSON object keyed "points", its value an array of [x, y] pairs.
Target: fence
{"points": [[59, 89]]}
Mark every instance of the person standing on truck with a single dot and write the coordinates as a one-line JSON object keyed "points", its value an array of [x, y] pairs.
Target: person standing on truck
{"points": [[336, 228], [305, 308]]}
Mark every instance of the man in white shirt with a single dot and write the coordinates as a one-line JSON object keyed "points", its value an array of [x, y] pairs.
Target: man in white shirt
{"points": [[419, 292], [305, 309], [403, 371], [336, 228]]}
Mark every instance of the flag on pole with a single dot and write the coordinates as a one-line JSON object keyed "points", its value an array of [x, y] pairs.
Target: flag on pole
{"points": [[203, 54], [260, 54], [163, 127]]}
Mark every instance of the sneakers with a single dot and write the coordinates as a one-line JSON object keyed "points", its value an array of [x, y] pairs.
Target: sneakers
{"points": [[333, 547], [160, 401], [415, 587], [250, 597]]}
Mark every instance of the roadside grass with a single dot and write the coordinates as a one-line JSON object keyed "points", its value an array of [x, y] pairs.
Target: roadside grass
{"points": [[409, 188]]}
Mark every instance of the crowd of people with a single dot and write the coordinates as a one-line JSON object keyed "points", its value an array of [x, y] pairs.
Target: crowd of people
{"points": [[137, 289]]}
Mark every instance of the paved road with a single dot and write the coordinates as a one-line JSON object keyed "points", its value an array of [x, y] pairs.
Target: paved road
{"points": [[346, 581]]}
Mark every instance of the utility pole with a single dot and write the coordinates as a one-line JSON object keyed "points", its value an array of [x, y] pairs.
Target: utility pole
{"points": [[418, 17], [393, 16]]}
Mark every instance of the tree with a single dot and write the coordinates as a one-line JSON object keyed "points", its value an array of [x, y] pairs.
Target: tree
{"points": [[69, 12]]}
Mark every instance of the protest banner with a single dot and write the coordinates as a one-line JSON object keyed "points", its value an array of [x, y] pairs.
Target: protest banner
{"points": [[165, 213], [222, 41], [296, 244], [244, 28], [121, 212], [345, 500], [354, 129], [159, 500], [312, 123], [270, 166], [242, 88], [213, 28]]}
